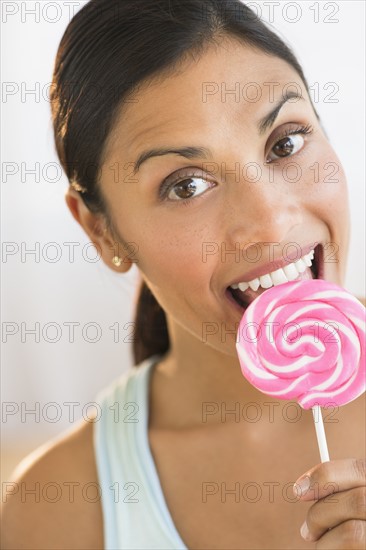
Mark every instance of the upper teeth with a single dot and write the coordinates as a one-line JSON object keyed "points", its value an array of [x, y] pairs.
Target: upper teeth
{"points": [[288, 273]]}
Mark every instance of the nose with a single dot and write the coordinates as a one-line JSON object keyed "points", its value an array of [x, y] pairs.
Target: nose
{"points": [[264, 212]]}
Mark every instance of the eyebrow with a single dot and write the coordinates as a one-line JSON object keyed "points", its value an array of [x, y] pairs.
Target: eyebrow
{"points": [[202, 152]]}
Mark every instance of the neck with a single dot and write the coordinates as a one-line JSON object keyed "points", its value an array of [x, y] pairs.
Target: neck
{"points": [[195, 384]]}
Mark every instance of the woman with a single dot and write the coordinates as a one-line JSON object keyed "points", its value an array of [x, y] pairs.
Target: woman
{"points": [[189, 139]]}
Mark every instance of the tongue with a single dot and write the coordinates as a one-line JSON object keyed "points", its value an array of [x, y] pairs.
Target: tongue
{"points": [[249, 295]]}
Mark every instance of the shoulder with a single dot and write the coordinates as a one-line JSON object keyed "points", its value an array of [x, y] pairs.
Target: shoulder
{"points": [[53, 499], [362, 300]]}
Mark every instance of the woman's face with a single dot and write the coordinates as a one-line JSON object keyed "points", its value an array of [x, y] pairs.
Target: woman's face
{"points": [[200, 223]]}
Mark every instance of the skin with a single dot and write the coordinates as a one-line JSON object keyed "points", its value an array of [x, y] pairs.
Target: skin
{"points": [[170, 238], [191, 290], [231, 211], [228, 211]]}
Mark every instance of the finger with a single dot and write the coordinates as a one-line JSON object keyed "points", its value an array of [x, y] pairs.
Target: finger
{"points": [[349, 535], [333, 510], [331, 477]]}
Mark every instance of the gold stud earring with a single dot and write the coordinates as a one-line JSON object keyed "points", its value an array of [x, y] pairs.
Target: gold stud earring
{"points": [[117, 261], [75, 185]]}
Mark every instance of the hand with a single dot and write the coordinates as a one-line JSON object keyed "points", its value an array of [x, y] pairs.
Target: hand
{"points": [[337, 520]]}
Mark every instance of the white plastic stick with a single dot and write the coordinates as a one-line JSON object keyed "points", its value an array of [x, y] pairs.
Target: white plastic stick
{"points": [[320, 433]]}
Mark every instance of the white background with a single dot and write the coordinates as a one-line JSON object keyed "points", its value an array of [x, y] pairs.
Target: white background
{"points": [[35, 212]]}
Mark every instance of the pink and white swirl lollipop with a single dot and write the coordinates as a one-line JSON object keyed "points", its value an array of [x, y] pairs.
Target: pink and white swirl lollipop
{"points": [[305, 341]]}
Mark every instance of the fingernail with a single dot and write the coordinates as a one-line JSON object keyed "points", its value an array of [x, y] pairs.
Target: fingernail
{"points": [[301, 486], [304, 531]]}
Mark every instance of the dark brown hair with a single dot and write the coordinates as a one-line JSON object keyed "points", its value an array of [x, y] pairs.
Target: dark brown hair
{"points": [[108, 48]]}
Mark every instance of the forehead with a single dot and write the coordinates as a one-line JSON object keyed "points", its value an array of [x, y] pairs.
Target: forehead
{"points": [[230, 83]]}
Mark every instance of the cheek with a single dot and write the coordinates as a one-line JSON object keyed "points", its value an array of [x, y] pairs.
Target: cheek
{"points": [[171, 256], [326, 184], [327, 201], [170, 243]]}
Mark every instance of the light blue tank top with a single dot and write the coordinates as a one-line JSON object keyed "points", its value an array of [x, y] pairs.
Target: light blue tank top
{"points": [[135, 513]]}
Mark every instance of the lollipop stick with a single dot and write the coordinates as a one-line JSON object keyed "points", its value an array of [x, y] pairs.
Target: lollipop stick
{"points": [[320, 433]]}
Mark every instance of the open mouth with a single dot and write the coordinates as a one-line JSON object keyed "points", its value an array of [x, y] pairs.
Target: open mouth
{"points": [[315, 271]]}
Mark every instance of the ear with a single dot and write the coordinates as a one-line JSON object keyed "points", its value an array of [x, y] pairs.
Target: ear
{"points": [[94, 226]]}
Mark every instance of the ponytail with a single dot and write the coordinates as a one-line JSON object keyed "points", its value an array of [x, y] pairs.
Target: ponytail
{"points": [[151, 332]]}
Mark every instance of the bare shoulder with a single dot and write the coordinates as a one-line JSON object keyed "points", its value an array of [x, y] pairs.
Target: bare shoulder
{"points": [[362, 300], [52, 500]]}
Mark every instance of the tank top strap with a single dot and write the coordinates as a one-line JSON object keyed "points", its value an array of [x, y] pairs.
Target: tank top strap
{"points": [[135, 512]]}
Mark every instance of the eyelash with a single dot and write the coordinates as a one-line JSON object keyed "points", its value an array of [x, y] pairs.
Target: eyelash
{"points": [[308, 129], [165, 186]]}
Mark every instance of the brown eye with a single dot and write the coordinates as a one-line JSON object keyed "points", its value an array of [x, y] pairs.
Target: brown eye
{"points": [[183, 190], [187, 188], [287, 146]]}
